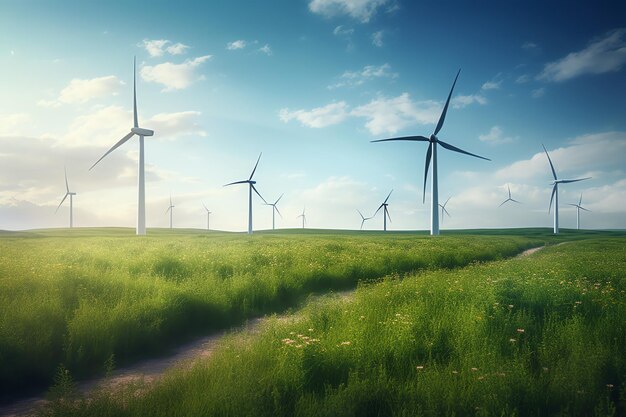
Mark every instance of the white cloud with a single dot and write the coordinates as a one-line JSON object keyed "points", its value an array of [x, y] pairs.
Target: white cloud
{"points": [[588, 152], [529, 46], [522, 79], [603, 55], [238, 44], [13, 124], [174, 76], [538, 92], [81, 91], [173, 125], [460, 101], [492, 85], [369, 72], [328, 115], [343, 31], [377, 38], [362, 10], [266, 49], [157, 47], [389, 115], [496, 136]]}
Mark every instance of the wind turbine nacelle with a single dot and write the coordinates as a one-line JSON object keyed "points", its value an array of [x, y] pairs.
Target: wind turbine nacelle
{"points": [[142, 132], [433, 138]]}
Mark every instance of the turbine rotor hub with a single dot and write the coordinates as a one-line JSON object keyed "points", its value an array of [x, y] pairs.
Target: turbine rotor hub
{"points": [[433, 138]]}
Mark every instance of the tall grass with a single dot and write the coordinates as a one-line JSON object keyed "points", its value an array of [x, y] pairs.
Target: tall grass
{"points": [[78, 297], [542, 336]]}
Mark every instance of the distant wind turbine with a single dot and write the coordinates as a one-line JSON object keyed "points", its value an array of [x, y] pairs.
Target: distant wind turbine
{"points": [[141, 183], [170, 210], [385, 211], [555, 192], [509, 199], [274, 211], [303, 217], [71, 194], [251, 187], [363, 219], [443, 210], [208, 217], [579, 207], [432, 152]]}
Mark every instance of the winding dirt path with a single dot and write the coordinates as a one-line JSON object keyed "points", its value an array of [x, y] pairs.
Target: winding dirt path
{"points": [[150, 370]]}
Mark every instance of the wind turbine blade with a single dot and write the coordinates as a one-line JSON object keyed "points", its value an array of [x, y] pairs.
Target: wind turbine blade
{"points": [[580, 201], [388, 216], [59, 206], [444, 204], [361, 214], [501, 204], [572, 204], [168, 209], [237, 182], [117, 145], [135, 91], [550, 160], [582, 208], [378, 209], [445, 108], [552, 197], [67, 187], [388, 196], [408, 138], [429, 154], [515, 201], [576, 180], [278, 211], [446, 211], [455, 149], [509, 187], [257, 192], [204, 206], [257, 164], [281, 196], [362, 223]]}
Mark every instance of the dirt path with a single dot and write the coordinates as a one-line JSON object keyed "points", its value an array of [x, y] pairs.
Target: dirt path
{"points": [[150, 370]]}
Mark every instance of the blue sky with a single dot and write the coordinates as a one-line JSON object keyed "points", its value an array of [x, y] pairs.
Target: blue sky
{"points": [[310, 83]]}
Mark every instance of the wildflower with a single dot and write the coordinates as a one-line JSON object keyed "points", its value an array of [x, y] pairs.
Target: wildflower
{"points": [[609, 386], [419, 367], [512, 340], [480, 378], [474, 369], [511, 306], [455, 372], [362, 318], [545, 369], [520, 330], [346, 343], [310, 330]]}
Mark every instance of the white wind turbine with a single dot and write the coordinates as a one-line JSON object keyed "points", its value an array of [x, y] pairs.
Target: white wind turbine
{"points": [[208, 217], [579, 207], [303, 217], [555, 192], [141, 184], [169, 209], [251, 187], [71, 194], [443, 210], [385, 211], [433, 140], [363, 219], [274, 211], [509, 198]]}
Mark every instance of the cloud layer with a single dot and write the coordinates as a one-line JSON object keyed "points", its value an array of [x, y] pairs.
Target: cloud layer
{"points": [[174, 76]]}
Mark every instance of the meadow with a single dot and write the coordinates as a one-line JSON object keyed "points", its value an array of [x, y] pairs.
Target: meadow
{"points": [[86, 299], [540, 335]]}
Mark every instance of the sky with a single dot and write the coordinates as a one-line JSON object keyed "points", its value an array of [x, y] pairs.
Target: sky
{"points": [[309, 84]]}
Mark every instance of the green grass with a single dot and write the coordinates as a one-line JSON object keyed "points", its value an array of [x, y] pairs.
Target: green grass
{"points": [[81, 297], [543, 335]]}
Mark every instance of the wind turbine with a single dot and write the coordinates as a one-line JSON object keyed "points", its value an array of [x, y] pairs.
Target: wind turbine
{"points": [[71, 194], [555, 192], [363, 218], [443, 209], [509, 199], [251, 187], [579, 207], [141, 183], [208, 214], [385, 211], [274, 210], [303, 217], [433, 140], [170, 210]]}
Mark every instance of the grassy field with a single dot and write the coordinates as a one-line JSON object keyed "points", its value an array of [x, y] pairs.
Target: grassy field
{"points": [[541, 335], [87, 298]]}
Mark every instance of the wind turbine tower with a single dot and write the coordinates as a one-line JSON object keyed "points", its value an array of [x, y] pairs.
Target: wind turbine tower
{"points": [[555, 192], [385, 211], [170, 209], [71, 194], [303, 217], [251, 187], [579, 207], [433, 141], [208, 217], [141, 182]]}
